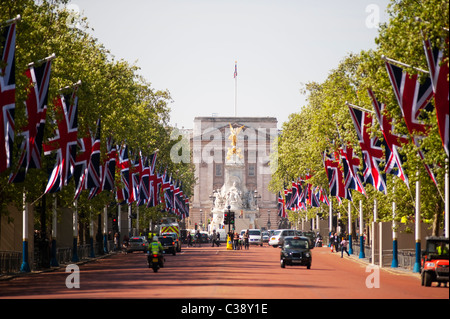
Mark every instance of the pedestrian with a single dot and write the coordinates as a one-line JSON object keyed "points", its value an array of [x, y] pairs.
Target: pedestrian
{"points": [[218, 239], [213, 238], [246, 244], [336, 242], [344, 244], [331, 242], [116, 242], [236, 240], [189, 239]]}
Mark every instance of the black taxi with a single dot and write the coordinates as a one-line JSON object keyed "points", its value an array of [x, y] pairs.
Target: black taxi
{"points": [[295, 251]]}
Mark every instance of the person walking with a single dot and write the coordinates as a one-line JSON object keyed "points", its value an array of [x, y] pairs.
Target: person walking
{"points": [[246, 244], [344, 244], [336, 242], [236, 240], [213, 238], [218, 239], [331, 241]]}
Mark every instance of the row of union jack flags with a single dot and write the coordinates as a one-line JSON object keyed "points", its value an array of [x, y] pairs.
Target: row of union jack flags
{"points": [[300, 196], [143, 184], [75, 157], [343, 166], [413, 98]]}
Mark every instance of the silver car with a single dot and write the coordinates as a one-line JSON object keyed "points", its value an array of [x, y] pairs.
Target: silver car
{"points": [[278, 236], [137, 244]]}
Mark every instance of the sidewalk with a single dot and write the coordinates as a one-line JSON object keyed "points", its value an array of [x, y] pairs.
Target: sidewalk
{"points": [[9, 276], [366, 261]]}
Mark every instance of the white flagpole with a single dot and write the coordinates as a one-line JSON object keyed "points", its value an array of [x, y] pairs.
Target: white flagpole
{"points": [[235, 89], [446, 198]]}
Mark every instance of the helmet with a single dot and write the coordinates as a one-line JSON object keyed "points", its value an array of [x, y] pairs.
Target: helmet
{"points": [[155, 238]]}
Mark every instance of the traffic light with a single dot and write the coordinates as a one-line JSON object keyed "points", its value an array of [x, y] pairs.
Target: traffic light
{"points": [[226, 219], [231, 218], [115, 225]]}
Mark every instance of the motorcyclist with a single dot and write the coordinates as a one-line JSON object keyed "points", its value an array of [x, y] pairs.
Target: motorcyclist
{"points": [[156, 248]]}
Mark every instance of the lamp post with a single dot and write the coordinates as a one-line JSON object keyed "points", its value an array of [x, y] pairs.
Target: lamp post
{"points": [[201, 218]]}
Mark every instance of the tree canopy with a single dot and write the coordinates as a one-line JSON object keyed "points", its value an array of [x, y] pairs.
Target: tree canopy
{"points": [[130, 109], [324, 123]]}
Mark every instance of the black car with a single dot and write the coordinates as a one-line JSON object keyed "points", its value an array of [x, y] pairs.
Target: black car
{"points": [[168, 244], [295, 252]]}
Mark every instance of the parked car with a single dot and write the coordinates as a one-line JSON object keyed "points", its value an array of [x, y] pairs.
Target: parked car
{"points": [[168, 244], [435, 261], [311, 236], [175, 238], [137, 244], [278, 235], [295, 251], [265, 236], [255, 237]]}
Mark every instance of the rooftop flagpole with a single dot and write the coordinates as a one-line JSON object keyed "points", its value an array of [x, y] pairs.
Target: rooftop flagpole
{"points": [[235, 88]]}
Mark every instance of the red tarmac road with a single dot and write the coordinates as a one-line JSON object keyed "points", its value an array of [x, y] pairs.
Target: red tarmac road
{"points": [[208, 272]]}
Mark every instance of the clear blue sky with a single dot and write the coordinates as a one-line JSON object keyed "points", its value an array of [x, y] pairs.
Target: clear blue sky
{"points": [[190, 47]]}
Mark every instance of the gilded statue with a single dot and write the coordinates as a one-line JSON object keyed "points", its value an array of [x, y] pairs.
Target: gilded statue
{"points": [[233, 138]]}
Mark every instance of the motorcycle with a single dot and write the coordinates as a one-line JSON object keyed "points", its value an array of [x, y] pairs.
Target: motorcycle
{"points": [[155, 261]]}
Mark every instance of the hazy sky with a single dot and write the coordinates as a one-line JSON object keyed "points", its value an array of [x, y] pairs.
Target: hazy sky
{"points": [[190, 47]]}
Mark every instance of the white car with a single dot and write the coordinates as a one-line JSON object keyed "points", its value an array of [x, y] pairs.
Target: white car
{"points": [[279, 234], [255, 237]]}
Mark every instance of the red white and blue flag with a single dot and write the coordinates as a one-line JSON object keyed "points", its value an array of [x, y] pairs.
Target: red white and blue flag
{"points": [[413, 97], [93, 178], [7, 95], [370, 148], [109, 166], [123, 165], [64, 143], [439, 80], [394, 142], [33, 131], [235, 69], [334, 173], [351, 164], [82, 163], [281, 206]]}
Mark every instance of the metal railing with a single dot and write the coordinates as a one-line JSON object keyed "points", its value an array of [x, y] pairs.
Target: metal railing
{"points": [[10, 261]]}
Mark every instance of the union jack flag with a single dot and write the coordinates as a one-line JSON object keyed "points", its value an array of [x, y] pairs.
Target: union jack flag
{"points": [[315, 195], [371, 150], [107, 170], [64, 142], [334, 174], [33, 131], [351, 170], [123, 191], [153, 185], [281, 206], [413, 97], [439, 80], [81, 164], [93, 178], [394, 161], [323, 197], [109, 166], [167, 192], [135, 171], [7, 95], [87, 167], [293, 198], [144, 173]]}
